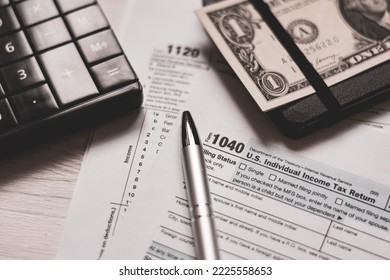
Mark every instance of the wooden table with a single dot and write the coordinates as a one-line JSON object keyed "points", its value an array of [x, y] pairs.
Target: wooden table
{"points": [[36, 188]]}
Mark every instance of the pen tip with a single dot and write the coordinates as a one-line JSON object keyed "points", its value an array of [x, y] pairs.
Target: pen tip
{"points": [[186, 115], [188, 129]]}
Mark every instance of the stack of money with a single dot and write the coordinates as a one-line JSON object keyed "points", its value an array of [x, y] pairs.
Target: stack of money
{"points": [[340, 38]]}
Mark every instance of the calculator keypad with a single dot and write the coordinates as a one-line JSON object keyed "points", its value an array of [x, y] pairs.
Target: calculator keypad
{"points": [[21, 75], [14, 47], [2, 93], [68, 74], [34, 103], [86, 21], [49, 34], [54, 55], [113, 73], [7, 117], [9, 22], [34, 11], [4, 3], [99, 46], [70, 5]]}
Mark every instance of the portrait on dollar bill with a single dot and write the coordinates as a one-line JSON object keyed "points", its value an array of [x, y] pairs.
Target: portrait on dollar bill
{"points": [[370, 18]]}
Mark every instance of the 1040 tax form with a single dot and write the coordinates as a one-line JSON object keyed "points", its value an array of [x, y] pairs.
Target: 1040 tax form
{"points": [[316, 198]]}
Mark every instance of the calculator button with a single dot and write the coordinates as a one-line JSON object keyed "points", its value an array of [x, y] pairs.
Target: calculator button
{"points": [[49, 34], [34, 11], [113, 73], [8, 21], [2, 93], [99, 46], [70, 5], [68, 74], [7, 117], [87, 20], [21, 75], [34, 103], [13, 47], [4, 3]]}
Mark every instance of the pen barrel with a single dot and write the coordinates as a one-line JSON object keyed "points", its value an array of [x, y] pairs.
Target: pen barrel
{"points": [[206, 242], [198, 193]]}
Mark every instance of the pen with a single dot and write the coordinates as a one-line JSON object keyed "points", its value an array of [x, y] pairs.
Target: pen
{"points": [[198, 194]]}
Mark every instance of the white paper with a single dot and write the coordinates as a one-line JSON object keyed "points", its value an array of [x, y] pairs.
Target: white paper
{"points": [[161, 217], [299, 209], [168, 62], [180, 69]]}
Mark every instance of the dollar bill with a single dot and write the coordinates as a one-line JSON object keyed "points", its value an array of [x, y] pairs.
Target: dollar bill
{"points": [[338, 37]]}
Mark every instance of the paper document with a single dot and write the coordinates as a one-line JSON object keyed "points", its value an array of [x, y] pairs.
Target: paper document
{"points": [[320, 197], [169, 65], [119, 195], [269, 204]]}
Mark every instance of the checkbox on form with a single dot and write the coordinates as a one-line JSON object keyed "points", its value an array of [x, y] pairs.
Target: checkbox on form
{"points": [[242, 166], [272, 177], [339, 201]]}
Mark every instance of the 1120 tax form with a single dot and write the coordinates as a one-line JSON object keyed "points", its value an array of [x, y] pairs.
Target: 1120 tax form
{"points": [[117, 206]]}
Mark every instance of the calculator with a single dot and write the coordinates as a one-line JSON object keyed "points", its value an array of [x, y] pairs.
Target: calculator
{"points": [[60, 64]]}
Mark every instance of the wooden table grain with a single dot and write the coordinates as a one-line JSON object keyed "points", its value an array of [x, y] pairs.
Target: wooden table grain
{"points": [[36, 186]]}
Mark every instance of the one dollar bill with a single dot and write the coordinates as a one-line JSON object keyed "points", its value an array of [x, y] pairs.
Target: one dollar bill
{"points": [[336, 36]]}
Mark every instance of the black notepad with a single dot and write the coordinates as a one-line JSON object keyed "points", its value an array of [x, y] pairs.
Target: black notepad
{"points": [[328, 104]]}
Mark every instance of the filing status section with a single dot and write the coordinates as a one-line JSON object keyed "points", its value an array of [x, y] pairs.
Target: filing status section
{"points": [[290, 207]]}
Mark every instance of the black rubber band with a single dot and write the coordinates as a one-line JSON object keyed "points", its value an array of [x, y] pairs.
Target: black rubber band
{"points": [[322, 90]]}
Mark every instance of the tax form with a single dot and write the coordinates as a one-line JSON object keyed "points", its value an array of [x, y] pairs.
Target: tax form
{"points": [[169, 62], [269, 204], [322, 197], [116, 201]]}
